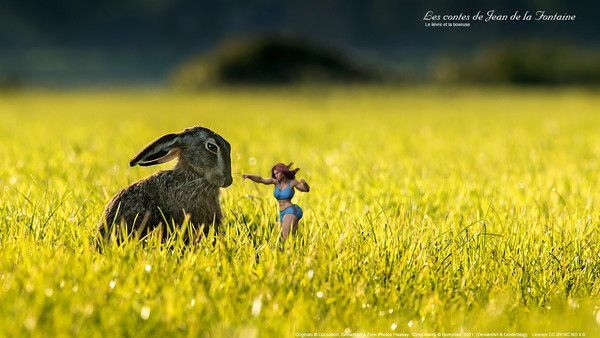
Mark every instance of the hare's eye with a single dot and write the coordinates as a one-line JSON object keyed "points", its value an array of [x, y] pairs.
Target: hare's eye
{"points": [[213, 148]]}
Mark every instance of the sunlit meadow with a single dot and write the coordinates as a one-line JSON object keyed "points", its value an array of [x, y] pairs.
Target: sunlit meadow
{"points": [[430, 210]]}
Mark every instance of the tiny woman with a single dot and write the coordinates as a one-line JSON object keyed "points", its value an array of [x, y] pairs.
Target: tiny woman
{"points": [[284, 179]]}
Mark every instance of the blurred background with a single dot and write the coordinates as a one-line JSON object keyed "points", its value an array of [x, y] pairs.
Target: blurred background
{"points": [[191, 44]]}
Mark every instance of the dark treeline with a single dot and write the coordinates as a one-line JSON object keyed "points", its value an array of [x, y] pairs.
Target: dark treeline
{"points": [[145, 39], [189, 23]]}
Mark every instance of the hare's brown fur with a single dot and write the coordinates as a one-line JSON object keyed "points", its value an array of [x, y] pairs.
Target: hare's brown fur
{"points": [[191, 189]]}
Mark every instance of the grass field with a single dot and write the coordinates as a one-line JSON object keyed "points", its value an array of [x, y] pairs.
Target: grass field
{"points": [[431, 210]]}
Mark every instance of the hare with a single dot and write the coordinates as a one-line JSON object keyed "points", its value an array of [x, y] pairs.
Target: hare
{"points": [[190, 189]]}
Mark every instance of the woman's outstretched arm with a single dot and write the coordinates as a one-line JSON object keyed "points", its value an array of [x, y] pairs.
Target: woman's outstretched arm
{"points": [[258, 179], [301, 185]]}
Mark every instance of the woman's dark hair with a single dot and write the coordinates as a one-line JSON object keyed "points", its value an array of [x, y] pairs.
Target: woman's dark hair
{"points": [[285, 169]]}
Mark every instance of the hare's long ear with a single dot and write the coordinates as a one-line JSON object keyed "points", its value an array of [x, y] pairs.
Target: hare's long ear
{"points": [[162, 150]]}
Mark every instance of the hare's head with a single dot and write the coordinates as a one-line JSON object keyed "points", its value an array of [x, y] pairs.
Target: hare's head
{"points": [[199, 149]]}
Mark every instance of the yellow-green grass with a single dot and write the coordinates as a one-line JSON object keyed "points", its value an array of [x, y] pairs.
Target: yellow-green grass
{"points": [[430, 210]]}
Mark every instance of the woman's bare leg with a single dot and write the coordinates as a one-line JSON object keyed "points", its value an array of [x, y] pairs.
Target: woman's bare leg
{"points": [[295, 225], [286, 225]]}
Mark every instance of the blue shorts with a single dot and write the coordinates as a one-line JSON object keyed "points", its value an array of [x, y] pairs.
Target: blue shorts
{"points": [[291, 210]]}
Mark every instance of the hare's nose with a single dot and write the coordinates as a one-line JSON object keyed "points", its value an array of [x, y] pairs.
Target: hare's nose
{"points": [[228, 181]]}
